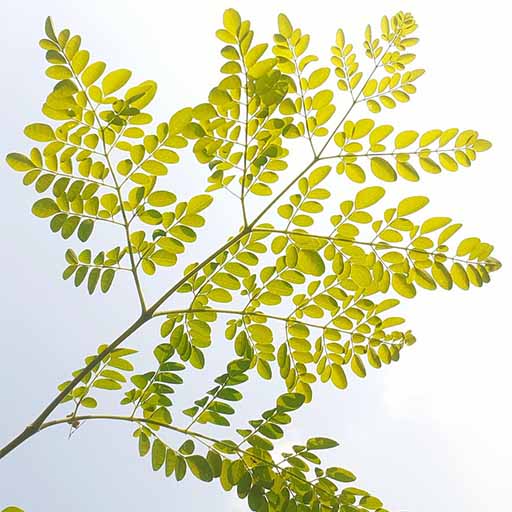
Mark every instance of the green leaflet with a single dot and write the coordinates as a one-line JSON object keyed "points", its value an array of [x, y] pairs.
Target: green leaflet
{"points": [[19, 162], [39, 132], [340, 474], [310, 262], [158, 454], [368, 197], [115, 80], [92, 73], [45, 208], [200, 468], [411, 205], [321, 443], [383, 169]]}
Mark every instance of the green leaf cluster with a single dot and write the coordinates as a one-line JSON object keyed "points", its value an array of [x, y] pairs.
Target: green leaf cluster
{"points": [[306, 287]]}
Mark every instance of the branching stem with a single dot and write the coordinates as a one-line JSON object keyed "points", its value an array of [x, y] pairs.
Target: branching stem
{"points": [[150, 312]]}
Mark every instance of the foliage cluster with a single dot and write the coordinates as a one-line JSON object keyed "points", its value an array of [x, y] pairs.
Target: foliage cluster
{"points": [[310, 297]]}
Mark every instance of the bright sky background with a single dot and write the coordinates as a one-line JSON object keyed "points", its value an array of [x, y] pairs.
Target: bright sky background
{"points": [[429, 433]]}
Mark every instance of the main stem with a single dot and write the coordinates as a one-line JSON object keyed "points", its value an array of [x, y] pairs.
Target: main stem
{"points": [[36, 424]]}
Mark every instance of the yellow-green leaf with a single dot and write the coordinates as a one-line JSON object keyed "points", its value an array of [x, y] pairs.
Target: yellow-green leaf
{"points": [[310, 262], [382, 169], [220, 295], [232, 21], [442, 276], [355, 173], [384, 354], [164, 258], [427, 164], [321, 443], [45, 208], [167, 156], [254, 54], [357, 366], [161, 198], [106, 279], [373, 358], [370, 502], [109, 384], [145, 92], [318, 77], [219, 96], [368, 196], [199, 203], [411, 205], [264, 370], [115, 80], [261, 333], [93, 72], [428, 137], [448, 162], [434, 223], [338, 377], [362, 128], [154, 167], [407, 171], [158, 452], [40, 132], [318, 175], [467, 245], [424, 279], [406, 138], [285, 27], [482, 145], [401, 286], [50, 30], [180, 120], [341, 474], [460, 277], [361, 275], [380, 133], [200, 468], [19, 162], [59, 72]]}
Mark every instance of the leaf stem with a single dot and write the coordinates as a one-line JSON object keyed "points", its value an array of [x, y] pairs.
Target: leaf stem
{"points": [[148, 421], [372, 244], [126, 225], [246, 136], [106, 155]]}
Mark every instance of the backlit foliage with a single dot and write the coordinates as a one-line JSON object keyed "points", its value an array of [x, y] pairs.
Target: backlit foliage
{"points": [[306, 290]]}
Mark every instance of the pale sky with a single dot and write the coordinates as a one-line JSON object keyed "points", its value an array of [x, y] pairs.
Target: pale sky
{"points": [[429, 433]]}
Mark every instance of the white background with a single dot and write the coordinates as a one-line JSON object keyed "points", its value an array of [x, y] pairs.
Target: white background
{"points": [[430, 433]]}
